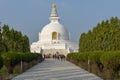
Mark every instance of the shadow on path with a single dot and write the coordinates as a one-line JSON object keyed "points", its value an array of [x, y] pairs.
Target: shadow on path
{"points": [[56, 70]]}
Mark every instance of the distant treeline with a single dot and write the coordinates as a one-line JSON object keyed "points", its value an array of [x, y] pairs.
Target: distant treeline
{"points": [[12, 40], [104, 37]]}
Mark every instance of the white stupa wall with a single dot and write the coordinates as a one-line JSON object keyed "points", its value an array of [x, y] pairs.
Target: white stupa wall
{"points": [[53, 46], [60, 44]]}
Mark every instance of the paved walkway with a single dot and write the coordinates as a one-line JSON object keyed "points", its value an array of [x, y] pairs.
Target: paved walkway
{"points": [[56, 70]]}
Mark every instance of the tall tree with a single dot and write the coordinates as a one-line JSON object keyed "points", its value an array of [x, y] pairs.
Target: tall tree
{"points": [[0, 39], [105, 36], [14, 40], [25, 44]]}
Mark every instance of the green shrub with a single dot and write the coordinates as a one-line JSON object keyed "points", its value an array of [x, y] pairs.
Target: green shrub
{"points": [[10, 59], [94, 57], [28, 57], [111, 60], [72, 56], [83, 56], [78, 56], [100, 62]]}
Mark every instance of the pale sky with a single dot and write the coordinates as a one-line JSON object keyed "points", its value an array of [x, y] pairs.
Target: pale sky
{"points": [[78, 16]]}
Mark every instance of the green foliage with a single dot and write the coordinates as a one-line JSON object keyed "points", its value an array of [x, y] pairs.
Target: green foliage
{"points": [[72, 56], [104, 37], [111, 60], [13, 40], [83, 57], [11, 59], [1, 42], [25, 44], [27, 57], [94, 57], [103, 61], [103, 45]]}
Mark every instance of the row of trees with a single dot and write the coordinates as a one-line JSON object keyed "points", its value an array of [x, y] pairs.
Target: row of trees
{"points": [[105, 36], [99, 49], [0, 40], [15, 56], [12, 40]]}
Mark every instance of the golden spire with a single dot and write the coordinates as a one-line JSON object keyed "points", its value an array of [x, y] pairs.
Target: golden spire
{"points": [[54, 16], [53, 5]]}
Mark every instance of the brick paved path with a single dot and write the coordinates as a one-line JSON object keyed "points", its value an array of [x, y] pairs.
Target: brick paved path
{"points": [[56, 70]]}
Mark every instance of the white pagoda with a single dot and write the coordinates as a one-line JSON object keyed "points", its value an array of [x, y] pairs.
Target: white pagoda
{"points": [[54, 37]]}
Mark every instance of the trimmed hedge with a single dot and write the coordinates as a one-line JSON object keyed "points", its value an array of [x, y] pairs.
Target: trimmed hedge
{"points": [[104, 62], [11, 59], [111, 60], [28, 57], [81, 57], [94, 57]]}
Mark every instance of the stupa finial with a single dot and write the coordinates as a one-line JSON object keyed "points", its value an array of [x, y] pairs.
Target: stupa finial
{"points": [[54, 16], [53, 5]]}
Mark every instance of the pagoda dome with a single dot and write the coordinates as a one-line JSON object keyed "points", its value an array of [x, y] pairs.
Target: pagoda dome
{"points": [[54, 30], [54, 38]]}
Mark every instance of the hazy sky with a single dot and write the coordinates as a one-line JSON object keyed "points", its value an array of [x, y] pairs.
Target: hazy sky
{"points": [[78, 16]]}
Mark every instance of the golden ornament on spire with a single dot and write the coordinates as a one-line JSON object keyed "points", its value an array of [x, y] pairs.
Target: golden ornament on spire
{"points": [[54, 5]]}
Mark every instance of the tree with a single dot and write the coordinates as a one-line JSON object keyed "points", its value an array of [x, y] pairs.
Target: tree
{"points": [[14, 40], [105, 36], [0, 40], [25, 44]]}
